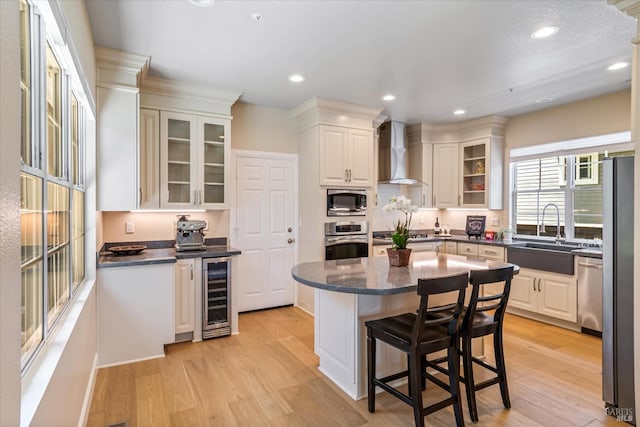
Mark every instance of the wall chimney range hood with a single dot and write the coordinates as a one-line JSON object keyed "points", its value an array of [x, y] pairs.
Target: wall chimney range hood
{"points": [[393, 161]]}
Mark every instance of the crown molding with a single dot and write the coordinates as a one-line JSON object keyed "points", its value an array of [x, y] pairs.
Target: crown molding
{"points": [[116, 67], [457, 132], [630, 7], [325, 111]]}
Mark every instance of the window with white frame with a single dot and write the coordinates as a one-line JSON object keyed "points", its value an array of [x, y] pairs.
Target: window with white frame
{"points": [[559, 191], [52, 213]]}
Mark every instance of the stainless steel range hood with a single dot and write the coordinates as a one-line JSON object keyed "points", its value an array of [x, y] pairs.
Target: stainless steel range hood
{"points": [[393, 160]]}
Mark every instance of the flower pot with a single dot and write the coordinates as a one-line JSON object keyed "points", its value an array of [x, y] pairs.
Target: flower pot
{"points": [[398, 257]]}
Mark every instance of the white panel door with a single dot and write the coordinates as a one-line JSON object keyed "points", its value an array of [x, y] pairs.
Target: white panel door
{"points": [[265, 232], [558, 297], [524, 291]]}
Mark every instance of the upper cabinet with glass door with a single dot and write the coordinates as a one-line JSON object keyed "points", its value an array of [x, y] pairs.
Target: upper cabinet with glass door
{"points": [[194, 158], [481, 172]]}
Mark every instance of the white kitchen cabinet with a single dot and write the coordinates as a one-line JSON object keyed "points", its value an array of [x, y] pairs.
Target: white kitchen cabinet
{"points": [[495, 253], [549, 294], [445, 175], [149, 163], [185, 294], [449, 247], [117, 99], [346, 157], [194, 159], [135, 312], [481, 173]]}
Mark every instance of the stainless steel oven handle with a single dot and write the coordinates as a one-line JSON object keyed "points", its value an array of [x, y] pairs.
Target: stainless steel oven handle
{"points": [[333, 241]]}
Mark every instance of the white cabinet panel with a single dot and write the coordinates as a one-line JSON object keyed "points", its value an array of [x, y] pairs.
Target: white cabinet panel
{"points": [[185, 296], [117, 149], [135, 312], [445, 175], [524, 292], [149, 163], [361, 158]]}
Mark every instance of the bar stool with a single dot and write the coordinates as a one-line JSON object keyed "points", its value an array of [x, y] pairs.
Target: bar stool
{"points": [[478, 322], [429, 331]]}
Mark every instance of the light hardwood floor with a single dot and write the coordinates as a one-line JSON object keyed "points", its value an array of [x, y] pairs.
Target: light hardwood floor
{"points": [[267, 376]]}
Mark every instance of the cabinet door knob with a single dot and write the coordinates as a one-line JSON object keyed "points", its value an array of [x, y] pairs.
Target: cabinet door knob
{"points": [[290, 241]]}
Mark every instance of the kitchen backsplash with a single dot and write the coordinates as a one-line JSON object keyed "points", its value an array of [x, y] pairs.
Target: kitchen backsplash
{"points": [[426, 218], [158, 225]]}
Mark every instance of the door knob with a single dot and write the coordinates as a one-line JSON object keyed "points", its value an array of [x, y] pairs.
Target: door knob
{"points": [[289, 229], [290, 241]]}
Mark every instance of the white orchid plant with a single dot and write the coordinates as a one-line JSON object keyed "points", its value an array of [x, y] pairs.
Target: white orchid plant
{"points": [[400, 236]]}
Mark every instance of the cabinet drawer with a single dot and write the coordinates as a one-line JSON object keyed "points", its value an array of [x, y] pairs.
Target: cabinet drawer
{"points": [[469, 249], [491, 252]]}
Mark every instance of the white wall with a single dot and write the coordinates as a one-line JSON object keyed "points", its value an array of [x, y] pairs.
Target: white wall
{"points": [[77, 18], [262, 129], [62, 389], [9, 215]]}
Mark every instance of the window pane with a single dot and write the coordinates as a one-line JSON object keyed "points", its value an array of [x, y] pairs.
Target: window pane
{"points": [[58, 274], [54, 117], [25, 84], [31, 260], [78, 243], [75, 149], [539, 182]]}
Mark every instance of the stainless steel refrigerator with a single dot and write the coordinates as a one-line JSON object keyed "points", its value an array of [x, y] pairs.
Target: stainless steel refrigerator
{"points": [[617, 294]]}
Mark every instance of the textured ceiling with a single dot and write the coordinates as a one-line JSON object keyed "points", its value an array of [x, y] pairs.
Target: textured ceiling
{"points": [[434, 56]]}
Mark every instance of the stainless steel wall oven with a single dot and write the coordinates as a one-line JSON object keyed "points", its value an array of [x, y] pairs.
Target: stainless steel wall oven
{"points": [[216, 298], [346, 239]]}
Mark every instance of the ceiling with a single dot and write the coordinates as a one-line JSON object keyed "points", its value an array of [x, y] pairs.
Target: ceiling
{"points": [[434, 56]]}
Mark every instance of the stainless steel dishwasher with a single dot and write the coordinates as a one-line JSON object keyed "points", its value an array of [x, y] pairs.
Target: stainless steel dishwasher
{"points": [[590, 295]]}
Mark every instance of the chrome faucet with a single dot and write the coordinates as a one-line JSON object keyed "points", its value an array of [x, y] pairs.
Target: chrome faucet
{"points": [[558, 236]]}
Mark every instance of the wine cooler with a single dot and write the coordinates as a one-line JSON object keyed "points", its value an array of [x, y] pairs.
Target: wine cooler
{"points": [[216, 299]]}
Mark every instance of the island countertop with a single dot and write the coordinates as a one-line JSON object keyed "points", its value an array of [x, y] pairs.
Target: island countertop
{"points": [[374, 275]]}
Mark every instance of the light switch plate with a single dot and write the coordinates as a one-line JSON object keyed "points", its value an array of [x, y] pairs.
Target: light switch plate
{"points": [[129, 227], [495, 222]]}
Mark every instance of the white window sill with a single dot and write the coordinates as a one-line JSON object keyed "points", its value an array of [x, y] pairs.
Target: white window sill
{"points": [[36, 380]]}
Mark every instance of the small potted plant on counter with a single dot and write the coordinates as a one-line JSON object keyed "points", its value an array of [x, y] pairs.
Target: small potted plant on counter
{"points": [[399, 253]]}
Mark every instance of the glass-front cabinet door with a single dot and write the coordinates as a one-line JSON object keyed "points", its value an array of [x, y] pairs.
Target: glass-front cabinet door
{"points": [[178, 153], [194, 158], [214, 161]]}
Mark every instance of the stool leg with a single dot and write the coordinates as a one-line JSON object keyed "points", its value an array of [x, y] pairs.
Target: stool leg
{"points": [[423, 372], [467, 361], [501, 366], [371, 371], [415, 378], [454, 383]]}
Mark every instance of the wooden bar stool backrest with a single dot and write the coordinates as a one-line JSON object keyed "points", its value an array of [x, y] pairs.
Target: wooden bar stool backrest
{"points": [[497, 302], [448, 314]]}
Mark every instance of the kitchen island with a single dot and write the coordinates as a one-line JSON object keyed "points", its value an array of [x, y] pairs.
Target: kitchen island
{"points": [[349, 292]]}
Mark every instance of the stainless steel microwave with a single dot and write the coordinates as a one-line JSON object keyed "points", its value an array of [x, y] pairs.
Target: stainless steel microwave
{"points": [[346, 202]]}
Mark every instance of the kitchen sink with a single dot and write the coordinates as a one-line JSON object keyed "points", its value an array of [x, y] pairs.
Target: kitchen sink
{"points": [[549, 246], [543, 256]]}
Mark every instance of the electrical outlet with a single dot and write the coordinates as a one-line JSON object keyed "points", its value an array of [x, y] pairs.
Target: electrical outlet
{"points": [[495, 222], [129, 227]]}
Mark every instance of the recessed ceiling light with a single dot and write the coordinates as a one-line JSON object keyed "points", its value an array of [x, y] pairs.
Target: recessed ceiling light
{"points": [[256, 16], [544, 100], [618, 66], [296, 78], [544, 32], [202, 3], [388, 97], [459, 112]]}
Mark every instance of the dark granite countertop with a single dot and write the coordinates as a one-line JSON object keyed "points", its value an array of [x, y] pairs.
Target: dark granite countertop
{"points": [[588, 252], [163, 252], [453, 238], [374, 276]]}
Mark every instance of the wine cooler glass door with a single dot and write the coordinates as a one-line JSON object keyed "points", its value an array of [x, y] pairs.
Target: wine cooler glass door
{"points": [[217, 298]]}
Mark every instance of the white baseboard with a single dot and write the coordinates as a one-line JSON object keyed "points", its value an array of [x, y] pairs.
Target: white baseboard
{"points": [[88, 395]]}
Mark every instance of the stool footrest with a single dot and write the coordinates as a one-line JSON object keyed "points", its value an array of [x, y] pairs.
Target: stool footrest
{"points": [[485, 365], [487, 383]]}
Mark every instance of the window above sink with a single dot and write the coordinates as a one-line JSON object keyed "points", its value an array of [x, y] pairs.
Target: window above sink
{"points": [[567, 175]]}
